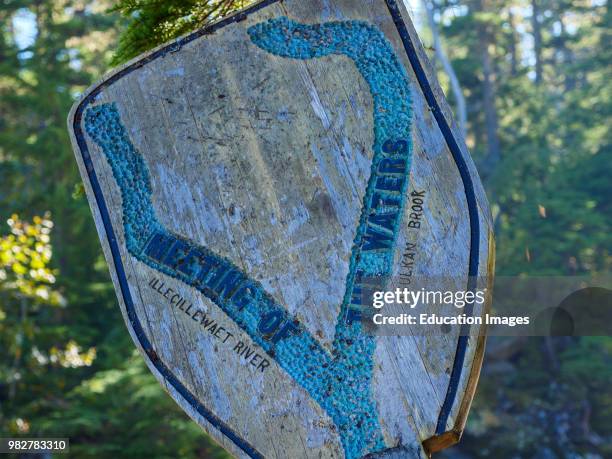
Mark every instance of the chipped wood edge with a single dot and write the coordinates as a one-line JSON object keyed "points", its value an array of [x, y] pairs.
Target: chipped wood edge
{"points": [[439, 442]]}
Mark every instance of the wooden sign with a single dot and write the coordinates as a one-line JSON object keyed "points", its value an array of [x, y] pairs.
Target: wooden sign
{"points": [[244, 180]]}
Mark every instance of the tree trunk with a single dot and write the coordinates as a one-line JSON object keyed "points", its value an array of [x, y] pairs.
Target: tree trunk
{"points": [[461, 109], [489, 95], [513, 44], [537, 40], [568, 56]]}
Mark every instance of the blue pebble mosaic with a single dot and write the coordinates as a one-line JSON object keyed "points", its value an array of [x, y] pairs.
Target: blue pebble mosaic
{"points": [[340, 381]]}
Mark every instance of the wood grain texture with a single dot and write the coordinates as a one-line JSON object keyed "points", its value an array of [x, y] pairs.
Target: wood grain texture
{"points": [[267, 160]]}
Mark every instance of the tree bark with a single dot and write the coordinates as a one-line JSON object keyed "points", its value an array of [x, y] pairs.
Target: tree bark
{"points": [[568, 56], [537, 40], [489, 91], [461, 109], [513, 44]]}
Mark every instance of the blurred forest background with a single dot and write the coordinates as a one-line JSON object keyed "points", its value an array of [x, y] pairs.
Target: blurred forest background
{"points": [[531, 83]]}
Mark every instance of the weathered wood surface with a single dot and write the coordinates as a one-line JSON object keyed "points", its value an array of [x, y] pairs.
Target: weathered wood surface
{"points": [[265, 160]]}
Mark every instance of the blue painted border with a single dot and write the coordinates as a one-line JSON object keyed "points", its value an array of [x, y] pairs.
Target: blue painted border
{"points": [[112, 240]]}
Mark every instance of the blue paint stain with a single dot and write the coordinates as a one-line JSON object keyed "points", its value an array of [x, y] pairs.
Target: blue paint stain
{"points": [[340, 381]]}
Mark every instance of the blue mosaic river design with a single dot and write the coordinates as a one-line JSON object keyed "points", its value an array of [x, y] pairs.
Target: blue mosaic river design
{"points": [[340, 381]]}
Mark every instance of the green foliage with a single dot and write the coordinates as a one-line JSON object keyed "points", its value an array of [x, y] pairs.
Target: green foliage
{"points": [[124, 413], [25, 254], [151, 23], [49, 339]]}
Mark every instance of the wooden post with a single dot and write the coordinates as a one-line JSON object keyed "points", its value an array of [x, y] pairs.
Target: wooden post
{"points": [[245, 180]]}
